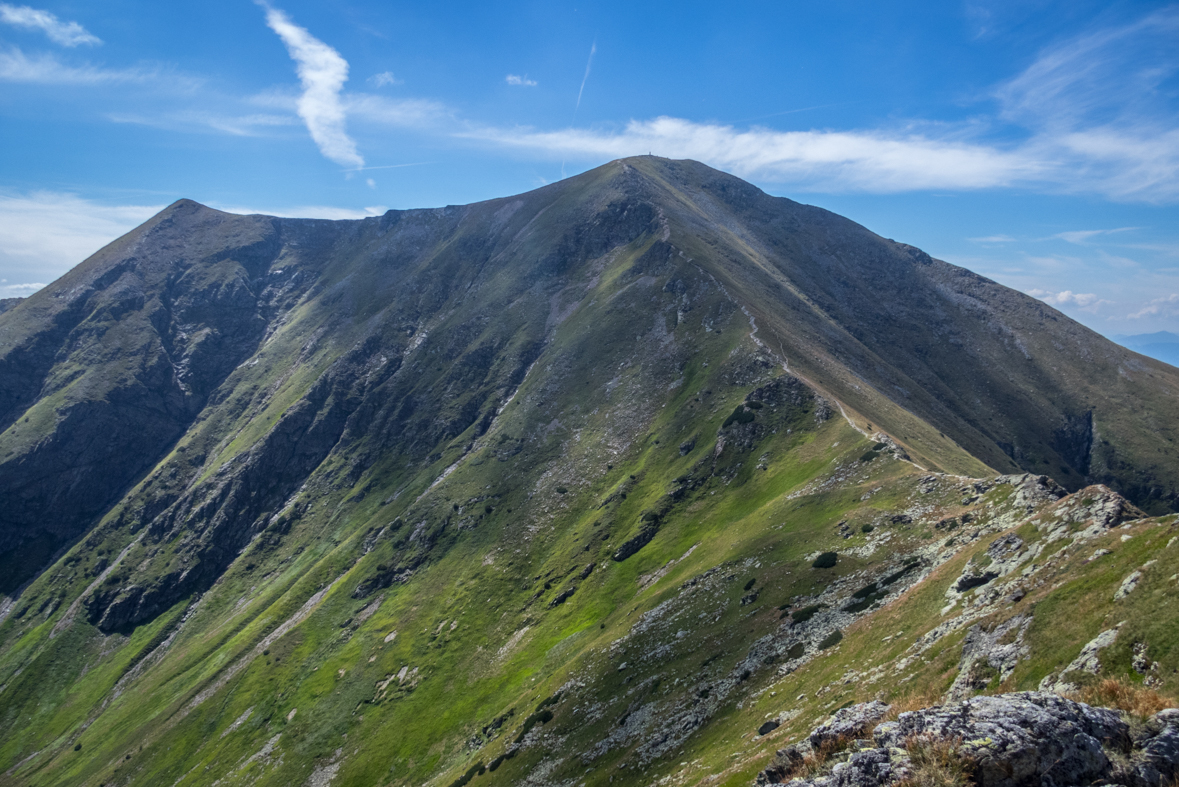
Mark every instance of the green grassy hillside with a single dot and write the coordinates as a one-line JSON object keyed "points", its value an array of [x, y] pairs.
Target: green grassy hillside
{"points": [[579, 486]]}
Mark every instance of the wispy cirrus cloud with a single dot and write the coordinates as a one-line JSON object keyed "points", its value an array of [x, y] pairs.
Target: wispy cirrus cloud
{"points": [[1102, 105], [384, 79], [1082, 237], [47, 69], [416, 113], [322, 72], [1091, 115], [994, 239], [1166, 306], [240, 125], [65, 33], [516, 79]]}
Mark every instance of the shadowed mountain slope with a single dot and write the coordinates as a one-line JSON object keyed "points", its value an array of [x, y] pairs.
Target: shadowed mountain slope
{"points": [[449, 452]]}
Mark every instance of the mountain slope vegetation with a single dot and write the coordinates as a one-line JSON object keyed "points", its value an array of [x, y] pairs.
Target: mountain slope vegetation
{"points": [[583, 484]]}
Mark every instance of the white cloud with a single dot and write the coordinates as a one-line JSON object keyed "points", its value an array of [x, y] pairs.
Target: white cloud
{"points": [[372, 184], [19, 290], [322, 72], [514, 79], [64, 33], [1067, 297], [384, 79], [993, 239], [1166, 306], [45, 69], [1092, 110], [852, 160], [43, 234], [306, 211]]}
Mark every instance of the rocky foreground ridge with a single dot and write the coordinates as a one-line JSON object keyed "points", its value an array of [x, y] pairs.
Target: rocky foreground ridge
{"points": [[1023, 739]]}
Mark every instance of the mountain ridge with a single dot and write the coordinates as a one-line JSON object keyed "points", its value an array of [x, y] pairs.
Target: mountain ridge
{"points": [[459, 447]]}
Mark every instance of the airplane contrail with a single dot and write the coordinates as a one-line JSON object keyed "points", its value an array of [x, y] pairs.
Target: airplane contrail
{"points": [[588, 63]]}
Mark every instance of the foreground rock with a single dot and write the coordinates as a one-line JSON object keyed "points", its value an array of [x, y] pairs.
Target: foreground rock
{"points": [[1010, 740]]}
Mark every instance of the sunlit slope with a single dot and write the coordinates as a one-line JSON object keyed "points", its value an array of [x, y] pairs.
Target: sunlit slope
{"points": [[938, 356]]}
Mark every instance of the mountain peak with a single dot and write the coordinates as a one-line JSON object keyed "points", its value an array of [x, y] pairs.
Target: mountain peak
{"points": [[616, 460]]}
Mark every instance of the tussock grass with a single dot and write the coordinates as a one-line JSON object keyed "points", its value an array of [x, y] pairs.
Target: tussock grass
{"points": [[1123, 695], [815, 763], [914, 700], [937, 762]]}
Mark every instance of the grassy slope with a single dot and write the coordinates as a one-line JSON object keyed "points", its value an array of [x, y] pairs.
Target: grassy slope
{"points": [[623, 406]]}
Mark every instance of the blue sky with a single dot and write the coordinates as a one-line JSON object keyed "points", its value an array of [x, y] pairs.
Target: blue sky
{"points": [[1035, 142]]}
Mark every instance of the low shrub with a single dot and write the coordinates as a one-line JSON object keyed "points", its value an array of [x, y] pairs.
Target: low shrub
{"points": [[739, 416], [826, 560]]}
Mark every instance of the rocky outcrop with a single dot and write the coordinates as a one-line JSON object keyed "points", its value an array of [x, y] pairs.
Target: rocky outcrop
{"points": [[1028, 739]]}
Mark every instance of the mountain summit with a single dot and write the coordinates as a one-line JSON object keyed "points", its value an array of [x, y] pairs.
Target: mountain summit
{"points": [[270, 483]]}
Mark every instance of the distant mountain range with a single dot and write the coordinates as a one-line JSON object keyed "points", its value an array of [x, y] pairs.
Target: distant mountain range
{"points": [[1162, 345], [623, 480]]}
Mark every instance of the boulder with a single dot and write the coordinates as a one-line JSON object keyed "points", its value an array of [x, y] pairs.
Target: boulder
{"points": [[1026, 739], [848, 723]]}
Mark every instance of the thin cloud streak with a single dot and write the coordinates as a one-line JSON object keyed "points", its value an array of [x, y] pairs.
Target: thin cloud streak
{"points": [[46, 69], [69, 34], [1082, 237], [322, 72], [391, 166], [584, 79], [251, 125]]}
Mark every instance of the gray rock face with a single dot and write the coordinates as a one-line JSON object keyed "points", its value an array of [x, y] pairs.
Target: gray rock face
{"points": [[1160, 751], [873, 766], [1028, 739], [989, 654], [848, 723]]}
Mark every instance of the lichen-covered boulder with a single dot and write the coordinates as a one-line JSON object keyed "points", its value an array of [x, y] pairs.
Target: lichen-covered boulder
{"points": [[1029, 739], [848, 723]]}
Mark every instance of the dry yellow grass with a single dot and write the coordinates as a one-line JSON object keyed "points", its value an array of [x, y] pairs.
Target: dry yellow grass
{"points": [[815, 762], [1123, 695], [914, 700]]}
